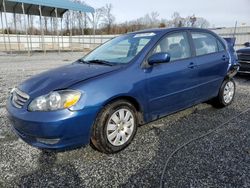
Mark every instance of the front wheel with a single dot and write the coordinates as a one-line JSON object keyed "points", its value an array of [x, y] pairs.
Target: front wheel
{"points": [[115, 127], [226, 93]]}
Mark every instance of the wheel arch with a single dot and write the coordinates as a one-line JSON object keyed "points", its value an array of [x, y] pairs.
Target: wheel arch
{"points": [[131, 100]]}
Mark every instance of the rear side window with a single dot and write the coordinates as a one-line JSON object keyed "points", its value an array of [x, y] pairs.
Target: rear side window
{"points": [[220, 46], [176, 45], [206, 43]]}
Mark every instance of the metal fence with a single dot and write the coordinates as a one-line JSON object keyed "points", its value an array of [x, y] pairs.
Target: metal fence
{"points": [[21, 43], [16, 43]]}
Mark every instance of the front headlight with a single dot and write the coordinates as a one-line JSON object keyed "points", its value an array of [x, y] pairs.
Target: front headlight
{"points": [[55, 100]]}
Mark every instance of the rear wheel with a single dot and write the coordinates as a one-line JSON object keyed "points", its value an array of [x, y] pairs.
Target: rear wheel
{"points": [[115, 127], [226, 94]]}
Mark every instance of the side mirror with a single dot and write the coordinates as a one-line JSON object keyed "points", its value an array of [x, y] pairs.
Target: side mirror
{"points": [[161, 57], [247, 44]]}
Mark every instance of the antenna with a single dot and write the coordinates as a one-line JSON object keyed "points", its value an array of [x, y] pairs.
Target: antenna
{"points": [[235, 26]]}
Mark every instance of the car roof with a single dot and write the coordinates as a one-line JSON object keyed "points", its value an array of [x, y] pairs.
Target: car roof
{"points": [[166, 30]]}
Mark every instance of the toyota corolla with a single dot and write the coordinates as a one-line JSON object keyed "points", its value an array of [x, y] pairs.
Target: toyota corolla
{"points": [[129, 81]]}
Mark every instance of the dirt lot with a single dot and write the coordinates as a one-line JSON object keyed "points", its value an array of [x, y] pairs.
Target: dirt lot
{"points": [[221, 159]]}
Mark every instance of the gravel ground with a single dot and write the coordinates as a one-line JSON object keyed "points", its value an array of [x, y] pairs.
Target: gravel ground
{"points": [[221, 159]]}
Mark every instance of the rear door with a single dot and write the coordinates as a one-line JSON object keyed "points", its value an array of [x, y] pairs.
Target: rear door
{"points": [[212, 60]]}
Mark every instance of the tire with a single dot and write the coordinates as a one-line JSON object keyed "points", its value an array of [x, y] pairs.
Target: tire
{"points": [[115, 127], [226, 94]]}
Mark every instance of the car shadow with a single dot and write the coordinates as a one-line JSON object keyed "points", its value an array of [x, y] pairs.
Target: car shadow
{"points": [[49, 173], [187, 165]]}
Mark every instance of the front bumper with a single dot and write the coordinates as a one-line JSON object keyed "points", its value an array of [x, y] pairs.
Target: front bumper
{"points": [[62, 129]]}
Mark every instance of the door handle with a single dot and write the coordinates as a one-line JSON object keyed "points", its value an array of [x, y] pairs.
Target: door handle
{"points": [[192, 65]]}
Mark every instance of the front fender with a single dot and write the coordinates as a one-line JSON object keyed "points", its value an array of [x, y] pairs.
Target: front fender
{"points": [[130, 82]]}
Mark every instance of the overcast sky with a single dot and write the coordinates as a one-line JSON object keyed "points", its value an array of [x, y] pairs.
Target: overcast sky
{"points": [[217, 12]]}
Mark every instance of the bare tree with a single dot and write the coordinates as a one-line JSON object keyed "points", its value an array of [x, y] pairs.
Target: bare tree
{"points": [[177, 20], [201, 22], [67, 21], [80, 20], [190, 21], [154, 18], [15, 21], [85, 20], [147, 21], [31, 29], [45, 21], [95, 18], [75, 19], [108, 17], [162, 25]]}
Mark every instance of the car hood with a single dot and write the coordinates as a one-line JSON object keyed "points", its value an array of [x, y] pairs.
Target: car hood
{"points": [[244, 50], [63, 77]]}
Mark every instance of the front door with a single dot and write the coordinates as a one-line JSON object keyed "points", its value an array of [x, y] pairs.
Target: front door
{"points": [[172, 86]]}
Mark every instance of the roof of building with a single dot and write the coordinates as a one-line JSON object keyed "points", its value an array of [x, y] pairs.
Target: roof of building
{"points": [[48, 7]]}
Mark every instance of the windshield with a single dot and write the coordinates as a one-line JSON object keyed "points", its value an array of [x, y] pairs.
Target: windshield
{"points": [[120, 50]]}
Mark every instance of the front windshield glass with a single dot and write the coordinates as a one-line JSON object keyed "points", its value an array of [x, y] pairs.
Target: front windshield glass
{"points": [[120, 50]]}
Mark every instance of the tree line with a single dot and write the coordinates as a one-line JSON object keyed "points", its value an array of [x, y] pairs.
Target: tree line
{"points": [[102, 21]]}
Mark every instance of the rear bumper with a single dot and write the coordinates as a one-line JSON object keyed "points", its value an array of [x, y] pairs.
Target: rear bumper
{"points": [[244, 67], [52, 130]]}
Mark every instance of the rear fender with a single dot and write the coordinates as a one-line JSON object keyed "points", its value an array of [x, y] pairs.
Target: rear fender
{"points": [[233, 66], [233, 70]]}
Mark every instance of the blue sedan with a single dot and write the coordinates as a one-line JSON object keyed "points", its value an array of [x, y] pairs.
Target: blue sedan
{"points": [[131, 80]]}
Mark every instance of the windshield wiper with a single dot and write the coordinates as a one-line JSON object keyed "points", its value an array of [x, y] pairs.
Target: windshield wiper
{"points": [[82, 61], [98, 61]]}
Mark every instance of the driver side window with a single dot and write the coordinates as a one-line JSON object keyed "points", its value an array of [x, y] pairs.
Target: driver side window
{"points": [[176, 45]]}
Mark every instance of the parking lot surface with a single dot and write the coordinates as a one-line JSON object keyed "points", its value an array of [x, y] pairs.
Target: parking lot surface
{"points": [[221, 159]]}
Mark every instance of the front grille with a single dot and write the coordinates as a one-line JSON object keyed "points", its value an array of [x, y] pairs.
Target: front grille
{"points": [[19, 98]]}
